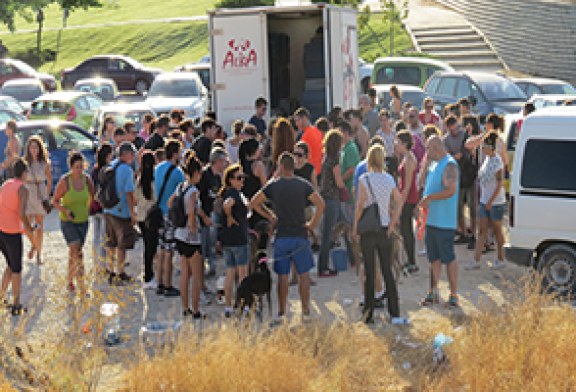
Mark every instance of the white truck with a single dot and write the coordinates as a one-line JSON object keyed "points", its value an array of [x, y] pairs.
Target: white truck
{"points": [[291, 55]]}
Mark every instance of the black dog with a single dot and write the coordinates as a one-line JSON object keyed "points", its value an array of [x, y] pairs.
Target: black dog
{"points": [[254, 286]]}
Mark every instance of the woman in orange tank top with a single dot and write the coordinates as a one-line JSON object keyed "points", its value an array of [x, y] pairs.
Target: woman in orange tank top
{"points": [[13, 222]]}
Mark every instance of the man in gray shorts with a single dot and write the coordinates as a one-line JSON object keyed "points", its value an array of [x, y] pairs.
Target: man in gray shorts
{"points": [[441, 200]]}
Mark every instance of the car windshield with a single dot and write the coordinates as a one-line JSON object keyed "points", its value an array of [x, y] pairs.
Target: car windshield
{"points": [[496, 88], [11, 104], [121, 118], [46, 108], [104, 91], [558, 89], [176, 88], [414, 97], [399, 74], [23, 93], [72, 139]]}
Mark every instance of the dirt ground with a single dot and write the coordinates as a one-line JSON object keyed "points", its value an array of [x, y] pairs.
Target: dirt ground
{"points": [[50, 305]]}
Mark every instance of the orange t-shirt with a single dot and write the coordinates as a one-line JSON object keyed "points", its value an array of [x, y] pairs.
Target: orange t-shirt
{"points": [[10, 222], [313, 138]]}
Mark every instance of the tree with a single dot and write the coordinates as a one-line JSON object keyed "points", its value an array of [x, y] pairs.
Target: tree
{"points": [[8, 11], [394, 13]]}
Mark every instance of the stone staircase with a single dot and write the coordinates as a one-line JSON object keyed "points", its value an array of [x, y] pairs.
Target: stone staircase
{"points": [[461, 46], [531, 36]]}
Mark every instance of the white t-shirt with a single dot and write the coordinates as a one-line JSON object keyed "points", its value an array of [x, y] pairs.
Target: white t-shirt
{"points": [[183, 233], [488, 182], [382, 186]]}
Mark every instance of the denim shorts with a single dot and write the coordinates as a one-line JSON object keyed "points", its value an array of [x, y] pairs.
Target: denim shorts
{"points": [[496, 213], [440, 244], [292, 249], [74, 232], [236, 256]]}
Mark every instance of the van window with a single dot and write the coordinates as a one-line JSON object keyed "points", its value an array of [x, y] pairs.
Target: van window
{"points": [[49, 107], [447, 86], [549, 165], [399, 74]]}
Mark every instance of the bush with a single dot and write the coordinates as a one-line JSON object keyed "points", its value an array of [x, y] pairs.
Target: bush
{"points": [[243, 3]]}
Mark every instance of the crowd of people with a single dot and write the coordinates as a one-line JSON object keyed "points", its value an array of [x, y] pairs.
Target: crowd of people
{"points": [[198, 192]]}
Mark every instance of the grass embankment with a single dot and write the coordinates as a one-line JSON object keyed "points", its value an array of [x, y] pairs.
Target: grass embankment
{"points": [[162, 45]]}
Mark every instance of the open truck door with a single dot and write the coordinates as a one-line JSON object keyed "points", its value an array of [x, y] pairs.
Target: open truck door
{"points": [[239, 61], [341, 35]]}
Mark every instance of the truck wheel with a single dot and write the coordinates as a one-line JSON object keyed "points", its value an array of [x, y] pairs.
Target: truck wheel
{"points": [[141, 86], [557, 264]]}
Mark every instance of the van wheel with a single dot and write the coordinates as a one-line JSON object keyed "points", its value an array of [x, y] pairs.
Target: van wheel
{"points": [[557, 264]]}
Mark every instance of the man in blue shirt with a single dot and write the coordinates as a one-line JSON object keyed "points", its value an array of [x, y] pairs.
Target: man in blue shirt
{"points": [[258, 118], [441, 200], [120, 220], [166, 240]]}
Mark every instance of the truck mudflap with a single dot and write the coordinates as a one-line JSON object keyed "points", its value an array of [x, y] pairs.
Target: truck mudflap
{"points": [[520, 256]]}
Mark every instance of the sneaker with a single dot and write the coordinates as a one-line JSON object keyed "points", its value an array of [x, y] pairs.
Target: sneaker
{"points": [[472, 243], [461, 239], [187, 312], [111, 277], [161, 289], [327, 273], [472, 265], [171, 292], [125, 278], [221, 300], [198, 315], [498, 264], [151, 285], [228, 313], [453, 301], [412, 269], [430, 299]]}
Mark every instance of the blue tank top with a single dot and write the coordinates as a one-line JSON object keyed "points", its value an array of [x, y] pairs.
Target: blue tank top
{"points": [[443, 214]]}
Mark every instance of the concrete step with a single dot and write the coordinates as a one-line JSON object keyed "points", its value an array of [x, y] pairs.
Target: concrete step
{"points": [[470, 56], [464, 63], [453, 46], [441, 27], [444, 32], [453, 39]]}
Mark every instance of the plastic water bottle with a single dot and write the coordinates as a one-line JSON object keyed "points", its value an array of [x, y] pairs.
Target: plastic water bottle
{"points": [[440, 340], [112, 328]]}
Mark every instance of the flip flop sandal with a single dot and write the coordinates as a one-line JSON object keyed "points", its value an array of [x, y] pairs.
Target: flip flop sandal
{"points": [[18, 310]]}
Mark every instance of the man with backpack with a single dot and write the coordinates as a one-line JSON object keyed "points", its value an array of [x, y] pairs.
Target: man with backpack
{"points": [[167, 177], [117, 196], [156, 140]]}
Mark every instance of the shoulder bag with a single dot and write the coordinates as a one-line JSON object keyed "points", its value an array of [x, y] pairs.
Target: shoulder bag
{"points": [[370, 219], [155, 217]]}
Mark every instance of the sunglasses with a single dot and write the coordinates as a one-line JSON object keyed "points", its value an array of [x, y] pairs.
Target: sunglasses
{"points": [[240, 177], [429, 107], [299, 154]]}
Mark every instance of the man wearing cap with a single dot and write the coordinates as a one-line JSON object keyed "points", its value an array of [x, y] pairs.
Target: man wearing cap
{"points": [[208, 187], [120, 220]]}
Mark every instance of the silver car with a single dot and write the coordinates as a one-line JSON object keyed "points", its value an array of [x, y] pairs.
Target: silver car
{"points": [[178, 90]]}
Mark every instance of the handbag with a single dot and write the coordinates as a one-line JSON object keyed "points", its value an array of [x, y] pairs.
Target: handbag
{"points": [[45, 202], [155, 217], [369, 221]]}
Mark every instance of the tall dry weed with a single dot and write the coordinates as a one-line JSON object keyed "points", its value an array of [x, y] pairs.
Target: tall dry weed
{"points": [[528, 345], [341, 357]]}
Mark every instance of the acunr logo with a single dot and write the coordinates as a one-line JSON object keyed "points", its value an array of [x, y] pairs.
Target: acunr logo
{"points": [[240, 54]]}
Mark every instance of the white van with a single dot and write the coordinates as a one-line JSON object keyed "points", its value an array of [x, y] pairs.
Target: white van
{"points": [[543, 198]]}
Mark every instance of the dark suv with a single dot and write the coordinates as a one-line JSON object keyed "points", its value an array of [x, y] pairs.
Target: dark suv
{"points": [[491, 93], [128, 73]]}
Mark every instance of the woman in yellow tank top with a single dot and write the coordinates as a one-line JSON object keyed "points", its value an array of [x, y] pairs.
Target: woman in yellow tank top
{"points": [[73, 196]]}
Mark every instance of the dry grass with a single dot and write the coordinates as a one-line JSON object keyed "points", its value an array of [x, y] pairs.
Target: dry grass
{"points": [[4, 386]]}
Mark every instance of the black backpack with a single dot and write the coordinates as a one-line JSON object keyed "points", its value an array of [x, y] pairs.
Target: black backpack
{"points": [[106, 193], [155, 218], [177, 212]]}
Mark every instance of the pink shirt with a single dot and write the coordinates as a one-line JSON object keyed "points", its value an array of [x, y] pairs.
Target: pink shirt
{"points": [[10, 222]]}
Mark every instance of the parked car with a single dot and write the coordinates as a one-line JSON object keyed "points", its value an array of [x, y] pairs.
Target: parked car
{"points": [[9, 103], [532, 86], [413, 71], [7, 115], [128, 73], [74, 106], [364, 74], [491, 93], [60, 138], [202, 69], [24, 90], [178, 90], [543, 198], [547, 100], [413, 94], [122, 112], [16, 69], [104, 88]]}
